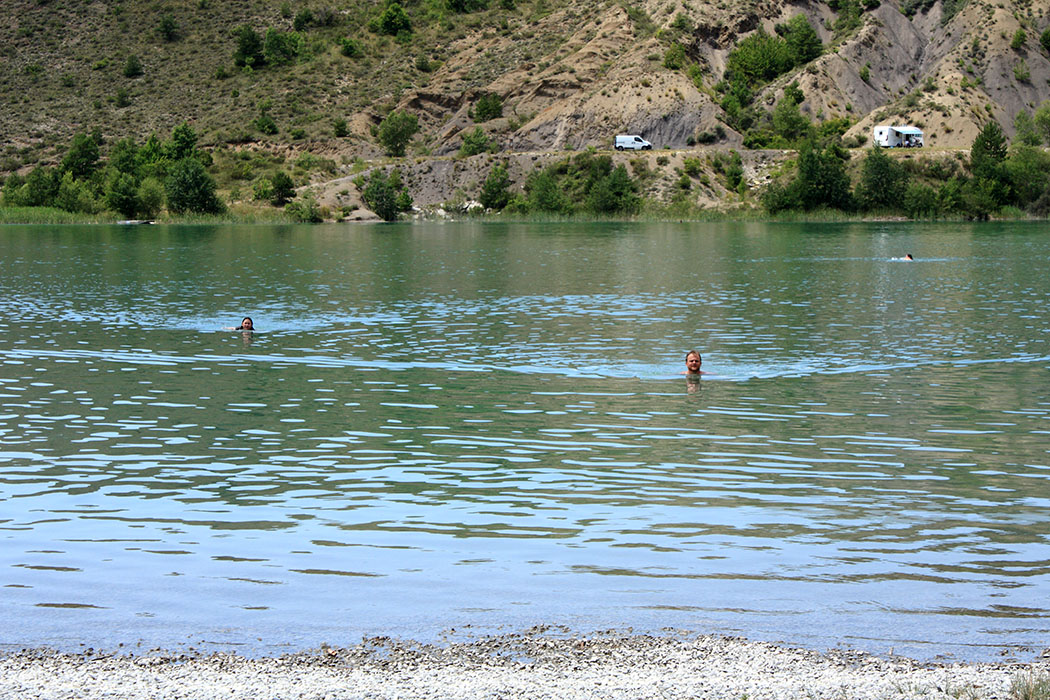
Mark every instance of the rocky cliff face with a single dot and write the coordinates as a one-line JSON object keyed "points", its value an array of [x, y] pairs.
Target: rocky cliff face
{"points": [[945, 75]]}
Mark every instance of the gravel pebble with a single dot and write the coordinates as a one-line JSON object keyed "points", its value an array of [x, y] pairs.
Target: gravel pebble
{"points": [[525, 665]]}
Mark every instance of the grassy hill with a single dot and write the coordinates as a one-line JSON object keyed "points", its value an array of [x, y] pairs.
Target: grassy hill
{"points": [[568, 75]]}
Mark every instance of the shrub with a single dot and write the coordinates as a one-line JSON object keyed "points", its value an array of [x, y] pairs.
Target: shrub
{"points": [[1044, 39], [265, 123], [674, 57], [865, 72], [423, 64], [339, 128], [1021, 72], [132, 67], [396, 131], [494, 191], [489, 106], [1019, 38], [463, 6], [305, 211], [122, 98], [351, 48], [302, 20], [190, 188], [543, 194]]}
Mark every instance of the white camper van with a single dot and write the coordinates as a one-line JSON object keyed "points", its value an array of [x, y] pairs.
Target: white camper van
{"points": [[897, 136], [630, 141]]}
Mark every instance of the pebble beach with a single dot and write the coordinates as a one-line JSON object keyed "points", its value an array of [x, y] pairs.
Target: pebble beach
{"points": [[524, 665]]}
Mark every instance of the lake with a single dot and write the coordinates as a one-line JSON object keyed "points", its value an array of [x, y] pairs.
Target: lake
{"points": [[482, 426]]}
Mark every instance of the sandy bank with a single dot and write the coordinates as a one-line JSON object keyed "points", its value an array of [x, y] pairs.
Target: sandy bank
{"points": [[509, 666]]}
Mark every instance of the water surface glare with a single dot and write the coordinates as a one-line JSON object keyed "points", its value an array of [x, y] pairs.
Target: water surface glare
{"points": [[482, 426]]}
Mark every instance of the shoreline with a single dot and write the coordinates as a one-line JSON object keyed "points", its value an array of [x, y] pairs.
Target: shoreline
{"points": [[529, 664]]}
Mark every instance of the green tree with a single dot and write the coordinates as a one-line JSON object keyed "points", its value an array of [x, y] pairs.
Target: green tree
{"points": [[281, 48], [987, 157], [168, 28], [614, 193], [122, 195], [385, 195], [183, 143], [758, 59], [882, 182], [132, 67], [542, 193], [803, 43], [249, 51], [282, 189], [1042, 120], [920, 201], [789, 123], [394, 20], [74, 195], [1025, 130], [495, 192], [151, 197], [40, 188], [189, 188], [489, 106], [1028, 170], [475, 142], [822, 179], [124, 156], [396, 131], [81, 160], [1044, 40]]}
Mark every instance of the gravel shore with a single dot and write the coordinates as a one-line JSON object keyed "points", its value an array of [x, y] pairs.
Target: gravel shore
{"points": [[526, 665]]}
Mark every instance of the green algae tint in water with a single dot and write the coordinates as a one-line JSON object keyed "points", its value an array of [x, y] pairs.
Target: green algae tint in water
{"points": [[449, 425]]}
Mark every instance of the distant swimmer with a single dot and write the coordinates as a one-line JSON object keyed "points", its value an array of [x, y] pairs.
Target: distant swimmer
{"points": [[692, 364], [246, 325], [908, 257]]}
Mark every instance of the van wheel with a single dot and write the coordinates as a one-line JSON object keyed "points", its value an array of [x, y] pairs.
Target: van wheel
{"points": [[647, 148], [619, 148]]}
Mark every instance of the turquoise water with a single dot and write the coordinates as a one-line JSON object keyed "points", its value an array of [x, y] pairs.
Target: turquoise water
{"points": [[482, 427]]}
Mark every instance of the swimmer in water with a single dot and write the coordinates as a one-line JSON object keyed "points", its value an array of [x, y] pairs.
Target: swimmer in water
{"points": [[692, 364], [246, 325], [908, 257]]}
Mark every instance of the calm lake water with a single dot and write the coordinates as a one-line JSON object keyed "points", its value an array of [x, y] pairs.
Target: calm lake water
{"points": [[482, 427]]}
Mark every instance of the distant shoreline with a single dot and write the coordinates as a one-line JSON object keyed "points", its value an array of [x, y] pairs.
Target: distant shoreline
{"points": [[531, 664]]}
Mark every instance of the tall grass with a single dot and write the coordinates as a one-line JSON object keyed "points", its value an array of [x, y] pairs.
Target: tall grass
{"points": [[1030, 686]]}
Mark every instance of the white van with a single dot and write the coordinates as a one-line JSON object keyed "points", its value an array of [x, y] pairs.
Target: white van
{"points": [[630, 141]]}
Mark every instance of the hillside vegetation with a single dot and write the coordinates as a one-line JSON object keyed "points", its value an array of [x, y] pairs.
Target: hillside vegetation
{"points": [[306, 88]]}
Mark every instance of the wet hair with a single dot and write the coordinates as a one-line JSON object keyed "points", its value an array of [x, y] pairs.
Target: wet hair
{"points": [[250, 322], [694, 352]]}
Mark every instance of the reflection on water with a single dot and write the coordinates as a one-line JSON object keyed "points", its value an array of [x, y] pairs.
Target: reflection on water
{"points": [[461, 424]]}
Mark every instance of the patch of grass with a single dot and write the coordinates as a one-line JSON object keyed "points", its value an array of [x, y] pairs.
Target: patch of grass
{"points": [[1030, 686]]}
